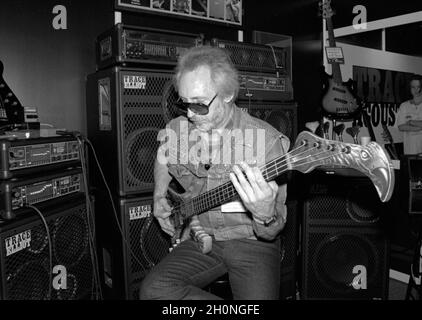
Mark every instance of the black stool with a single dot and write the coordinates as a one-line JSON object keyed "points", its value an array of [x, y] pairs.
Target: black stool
{"points": [[221, 288]]}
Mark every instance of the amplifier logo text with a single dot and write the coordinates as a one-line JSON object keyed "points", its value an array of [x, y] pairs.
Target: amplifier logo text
{"points": [[139, 212], [135, 82], [17, 242]]}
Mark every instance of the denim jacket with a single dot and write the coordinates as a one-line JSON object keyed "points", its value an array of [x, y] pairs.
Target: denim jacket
{"points": [[198, 175]]}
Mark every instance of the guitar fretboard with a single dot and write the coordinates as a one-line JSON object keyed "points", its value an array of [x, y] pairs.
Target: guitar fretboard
{"points": [[331, 40], [227, 192]]}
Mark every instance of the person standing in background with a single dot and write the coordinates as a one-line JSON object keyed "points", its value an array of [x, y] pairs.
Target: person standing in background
{"points": [[409, 118]]}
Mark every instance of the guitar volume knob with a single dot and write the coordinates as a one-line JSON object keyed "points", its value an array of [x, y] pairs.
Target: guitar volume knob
{"points": [[317, 145], [346, 150], [331, 147]]}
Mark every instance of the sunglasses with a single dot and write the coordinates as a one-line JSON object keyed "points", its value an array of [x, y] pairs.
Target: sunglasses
{"points": [[197, 107]]}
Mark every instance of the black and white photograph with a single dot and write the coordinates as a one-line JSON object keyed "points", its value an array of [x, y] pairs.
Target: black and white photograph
{"points": [[251, 156]]}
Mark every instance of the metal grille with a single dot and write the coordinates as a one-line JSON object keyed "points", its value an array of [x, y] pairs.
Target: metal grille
{"points": [[140, 153], [347, 205], [26, 272], [283, 117], [254, 57], [330, 259], [143, 117], [148, 245]]}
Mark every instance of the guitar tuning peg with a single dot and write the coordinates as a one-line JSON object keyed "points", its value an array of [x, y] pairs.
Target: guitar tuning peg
{"points": [[354, 132], [326, 129], [312, 126], [339, 131]]}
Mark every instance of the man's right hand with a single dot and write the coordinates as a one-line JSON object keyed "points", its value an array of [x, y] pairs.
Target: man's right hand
{"points": [[162, 211]]}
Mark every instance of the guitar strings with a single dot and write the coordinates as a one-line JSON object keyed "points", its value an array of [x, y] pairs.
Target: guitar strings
{"points": [[224, 187], [227, 191]]}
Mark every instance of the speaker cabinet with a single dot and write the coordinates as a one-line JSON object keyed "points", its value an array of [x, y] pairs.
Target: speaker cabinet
{"points": [[345, 251], [25, 258], [282, 116], [126, 108], [130, 249], [414, 167]]}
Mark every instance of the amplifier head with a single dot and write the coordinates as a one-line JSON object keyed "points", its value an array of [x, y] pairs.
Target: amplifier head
{"points": [[24, 156], [124, 44], [254, 57]]}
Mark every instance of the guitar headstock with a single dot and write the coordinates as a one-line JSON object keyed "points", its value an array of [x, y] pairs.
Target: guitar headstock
{"points": [[311, 151], [387, 134], [326, 10]]}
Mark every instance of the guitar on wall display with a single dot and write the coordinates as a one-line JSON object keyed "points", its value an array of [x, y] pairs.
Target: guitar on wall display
{"points": [[10, 107], [339, 100], [308, 153], [389, 139]]}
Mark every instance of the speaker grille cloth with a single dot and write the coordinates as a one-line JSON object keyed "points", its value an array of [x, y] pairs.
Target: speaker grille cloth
{"points": [[254, 58], [26, 273], [281, 117], [143, 117], [332, 258], [356, 205]]}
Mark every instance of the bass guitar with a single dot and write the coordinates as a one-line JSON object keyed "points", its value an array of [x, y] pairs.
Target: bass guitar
{"points": [[339, 100], [308, 153], [389, 139], [10, 107]]}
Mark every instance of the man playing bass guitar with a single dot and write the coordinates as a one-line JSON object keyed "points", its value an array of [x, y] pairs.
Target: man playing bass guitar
{"points": [[241, 238]]}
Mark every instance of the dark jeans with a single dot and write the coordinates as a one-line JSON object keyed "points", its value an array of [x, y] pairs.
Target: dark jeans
{"points": [[253, 268]]}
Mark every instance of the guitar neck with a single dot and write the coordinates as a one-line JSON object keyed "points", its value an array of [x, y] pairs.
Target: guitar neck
{"points": [[227, 192], [367, 121], [336, 72], [309, 152]]}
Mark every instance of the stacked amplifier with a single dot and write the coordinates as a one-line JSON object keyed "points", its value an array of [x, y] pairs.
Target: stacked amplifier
{"points": [[265, 78], [129, 99], [266, 92], [43, 176]]}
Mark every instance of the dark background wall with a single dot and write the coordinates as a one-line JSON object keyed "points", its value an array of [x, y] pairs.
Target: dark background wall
{"points": [[47, 68]]}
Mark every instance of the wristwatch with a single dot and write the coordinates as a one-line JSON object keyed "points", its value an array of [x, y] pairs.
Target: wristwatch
{"points": [[267, 222]]}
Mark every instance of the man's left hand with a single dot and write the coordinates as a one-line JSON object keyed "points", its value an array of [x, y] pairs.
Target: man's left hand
{"points": [[257, 195]]}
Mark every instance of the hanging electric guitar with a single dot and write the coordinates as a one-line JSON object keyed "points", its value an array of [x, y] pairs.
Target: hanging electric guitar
{"points": [[10, 107], [339, 100], [309, 152], [389, 139]]}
